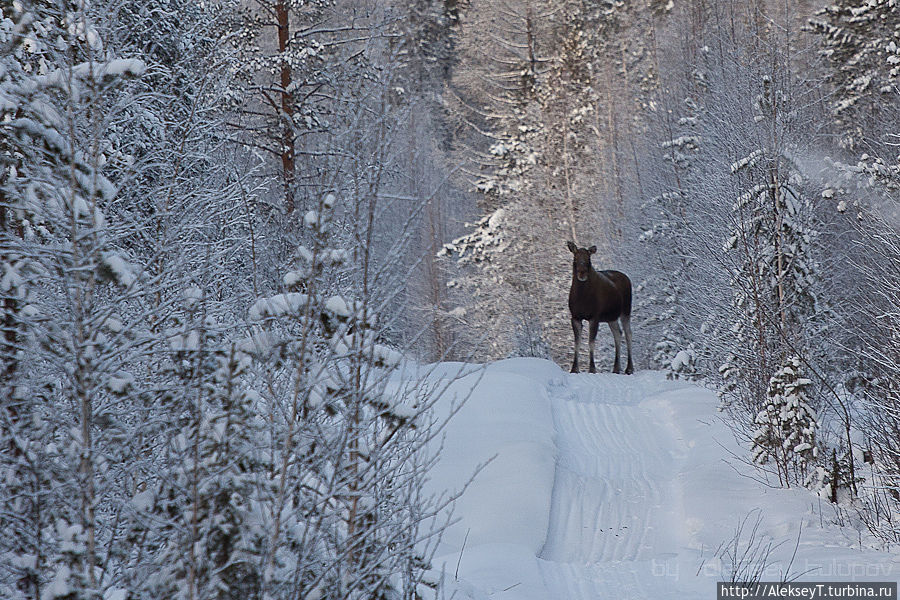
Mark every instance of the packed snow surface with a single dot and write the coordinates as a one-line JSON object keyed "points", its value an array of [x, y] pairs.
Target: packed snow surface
{"points": [[613, 486]]}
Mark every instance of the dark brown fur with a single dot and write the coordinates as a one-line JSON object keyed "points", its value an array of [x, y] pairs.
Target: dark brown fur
{"points": [[596, 297]]}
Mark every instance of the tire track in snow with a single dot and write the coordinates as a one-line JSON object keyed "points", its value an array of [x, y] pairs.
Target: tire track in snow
{"points": [[613, 487]]}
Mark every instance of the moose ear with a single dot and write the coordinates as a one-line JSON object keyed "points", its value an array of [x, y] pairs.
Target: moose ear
{"points": [[593, 249], [571, 246]]}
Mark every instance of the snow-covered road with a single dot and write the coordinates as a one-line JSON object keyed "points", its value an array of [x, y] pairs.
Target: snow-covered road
{"points": [[616, 503], [609, 486]]}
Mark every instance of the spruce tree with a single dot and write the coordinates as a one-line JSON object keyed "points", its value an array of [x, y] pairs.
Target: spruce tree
{"points": [[786, 434]]}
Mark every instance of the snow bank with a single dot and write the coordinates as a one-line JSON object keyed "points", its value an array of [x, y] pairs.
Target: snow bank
{"points": [[505, 421]]}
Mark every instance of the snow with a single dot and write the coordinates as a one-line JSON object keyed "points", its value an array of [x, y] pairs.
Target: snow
{"points": [[24, 561], [178, 342], [506, 424], [684, 140], [125, 67], [337, 256], [277, 305], [750, 160], [386, 356], [292, 278], [116, 68], [192, 295], [120, 382], [459, 312], [10, 279], [260, 342], [338, 306], [486, 238], [304, 253], [115, 594], [60, 585], [121, 270], [114, 325], [612, 486], [48, 135], [143, 501], [682, 360]]}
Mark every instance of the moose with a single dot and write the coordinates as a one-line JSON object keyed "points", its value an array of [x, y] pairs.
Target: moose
{"points": [[597, 296]]}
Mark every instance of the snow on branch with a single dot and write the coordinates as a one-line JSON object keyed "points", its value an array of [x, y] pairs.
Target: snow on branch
{"points": [[116, 268], [106, 73], [278, 306], [486, 239]]}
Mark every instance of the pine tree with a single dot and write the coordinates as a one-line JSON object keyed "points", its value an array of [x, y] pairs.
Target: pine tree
{"points": [[282, 69]]}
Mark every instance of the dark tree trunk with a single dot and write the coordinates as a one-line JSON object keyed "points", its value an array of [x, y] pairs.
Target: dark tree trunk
{"points": [[287, 108]]}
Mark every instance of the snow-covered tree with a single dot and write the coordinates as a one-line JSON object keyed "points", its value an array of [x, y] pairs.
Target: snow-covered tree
{"points": [[774, 273], [866, 200], [859, 41], [176, 422], [339, 520], [287, 63], [786, 434], [667, 237]]}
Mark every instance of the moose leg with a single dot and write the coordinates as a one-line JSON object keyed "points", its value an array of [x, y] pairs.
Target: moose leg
{"points": [[617, 338], [593, 336], [626, 325], [576, 328]]}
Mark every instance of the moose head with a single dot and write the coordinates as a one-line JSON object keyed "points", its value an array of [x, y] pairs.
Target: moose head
{"points": [[581, 264]]}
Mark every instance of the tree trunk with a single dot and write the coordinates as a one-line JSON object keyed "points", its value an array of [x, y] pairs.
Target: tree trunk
{"points": [[287, 108]]}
